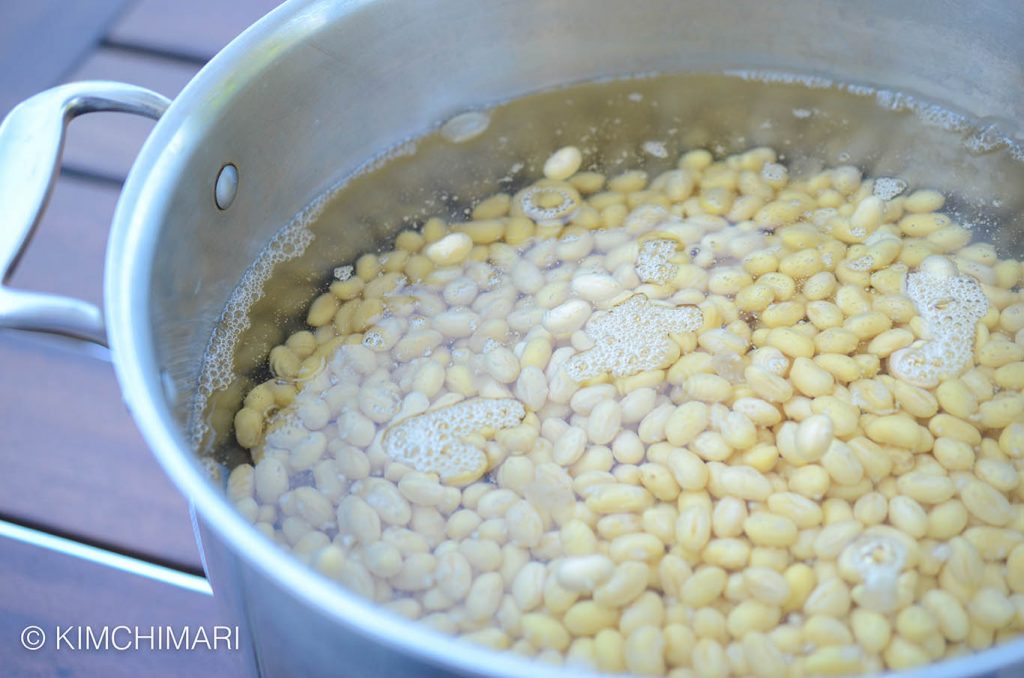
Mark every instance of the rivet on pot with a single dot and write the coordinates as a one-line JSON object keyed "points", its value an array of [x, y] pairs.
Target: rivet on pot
{"points": [[226, 189]]}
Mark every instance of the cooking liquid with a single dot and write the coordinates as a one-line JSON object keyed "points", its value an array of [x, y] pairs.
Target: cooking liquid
{"points": [[670, 409]]}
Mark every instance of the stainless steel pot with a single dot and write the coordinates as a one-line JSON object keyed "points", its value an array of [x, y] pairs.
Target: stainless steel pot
{"points": [[305, 97]]}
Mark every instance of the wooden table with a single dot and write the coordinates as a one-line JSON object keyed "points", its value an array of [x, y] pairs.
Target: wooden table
{"points": [[91, 531]]}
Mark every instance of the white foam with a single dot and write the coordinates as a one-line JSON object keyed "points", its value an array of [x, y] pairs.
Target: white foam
{"points": [[769, 77], [929, 114], [950, 305], [877, 559], [652, 263], [562, 212], [986, 139], [217, 370], [632, 337], [888, 188], [436, 441]]}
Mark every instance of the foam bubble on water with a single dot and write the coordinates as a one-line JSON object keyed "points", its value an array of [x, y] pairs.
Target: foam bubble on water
{"points": [[888, 188], [631, 337], [860, 90], [652, 263], [655, 148], [802, 113], [929, 114], [343, 273], [985, 139], [876, 560], [403, 149], [285, 430], [465, 126], [887, 99], [951, 306], [217, 371], [783, 78], [940, 117], [436, 441], [213, 469], [635, 96], [529, 202]]}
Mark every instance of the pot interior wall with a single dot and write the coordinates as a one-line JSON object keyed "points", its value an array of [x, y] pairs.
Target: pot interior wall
{"points": [[337, 83]]}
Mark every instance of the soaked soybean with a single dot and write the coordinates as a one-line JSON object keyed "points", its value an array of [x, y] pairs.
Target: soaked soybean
{"points": [[730, 418]]}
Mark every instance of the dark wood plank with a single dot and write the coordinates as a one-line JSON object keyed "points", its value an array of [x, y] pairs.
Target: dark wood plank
{"points": [[195, 28], [76, 463], [40, 40], [66, 254], [47, 589], [107, 143]]}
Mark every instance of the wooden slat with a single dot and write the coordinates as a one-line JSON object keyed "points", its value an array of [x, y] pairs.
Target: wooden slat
{"points": [[107, 143], [73, 458], [196, 28], [75, 464], [66, 254], [46, 589], [41, 39]]}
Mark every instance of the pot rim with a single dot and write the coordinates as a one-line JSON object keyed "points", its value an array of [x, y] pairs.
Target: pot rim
{"points": [[132, 248]]}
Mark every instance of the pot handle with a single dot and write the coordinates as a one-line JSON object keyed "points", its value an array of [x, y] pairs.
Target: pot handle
{"points": [[31, 145]]}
